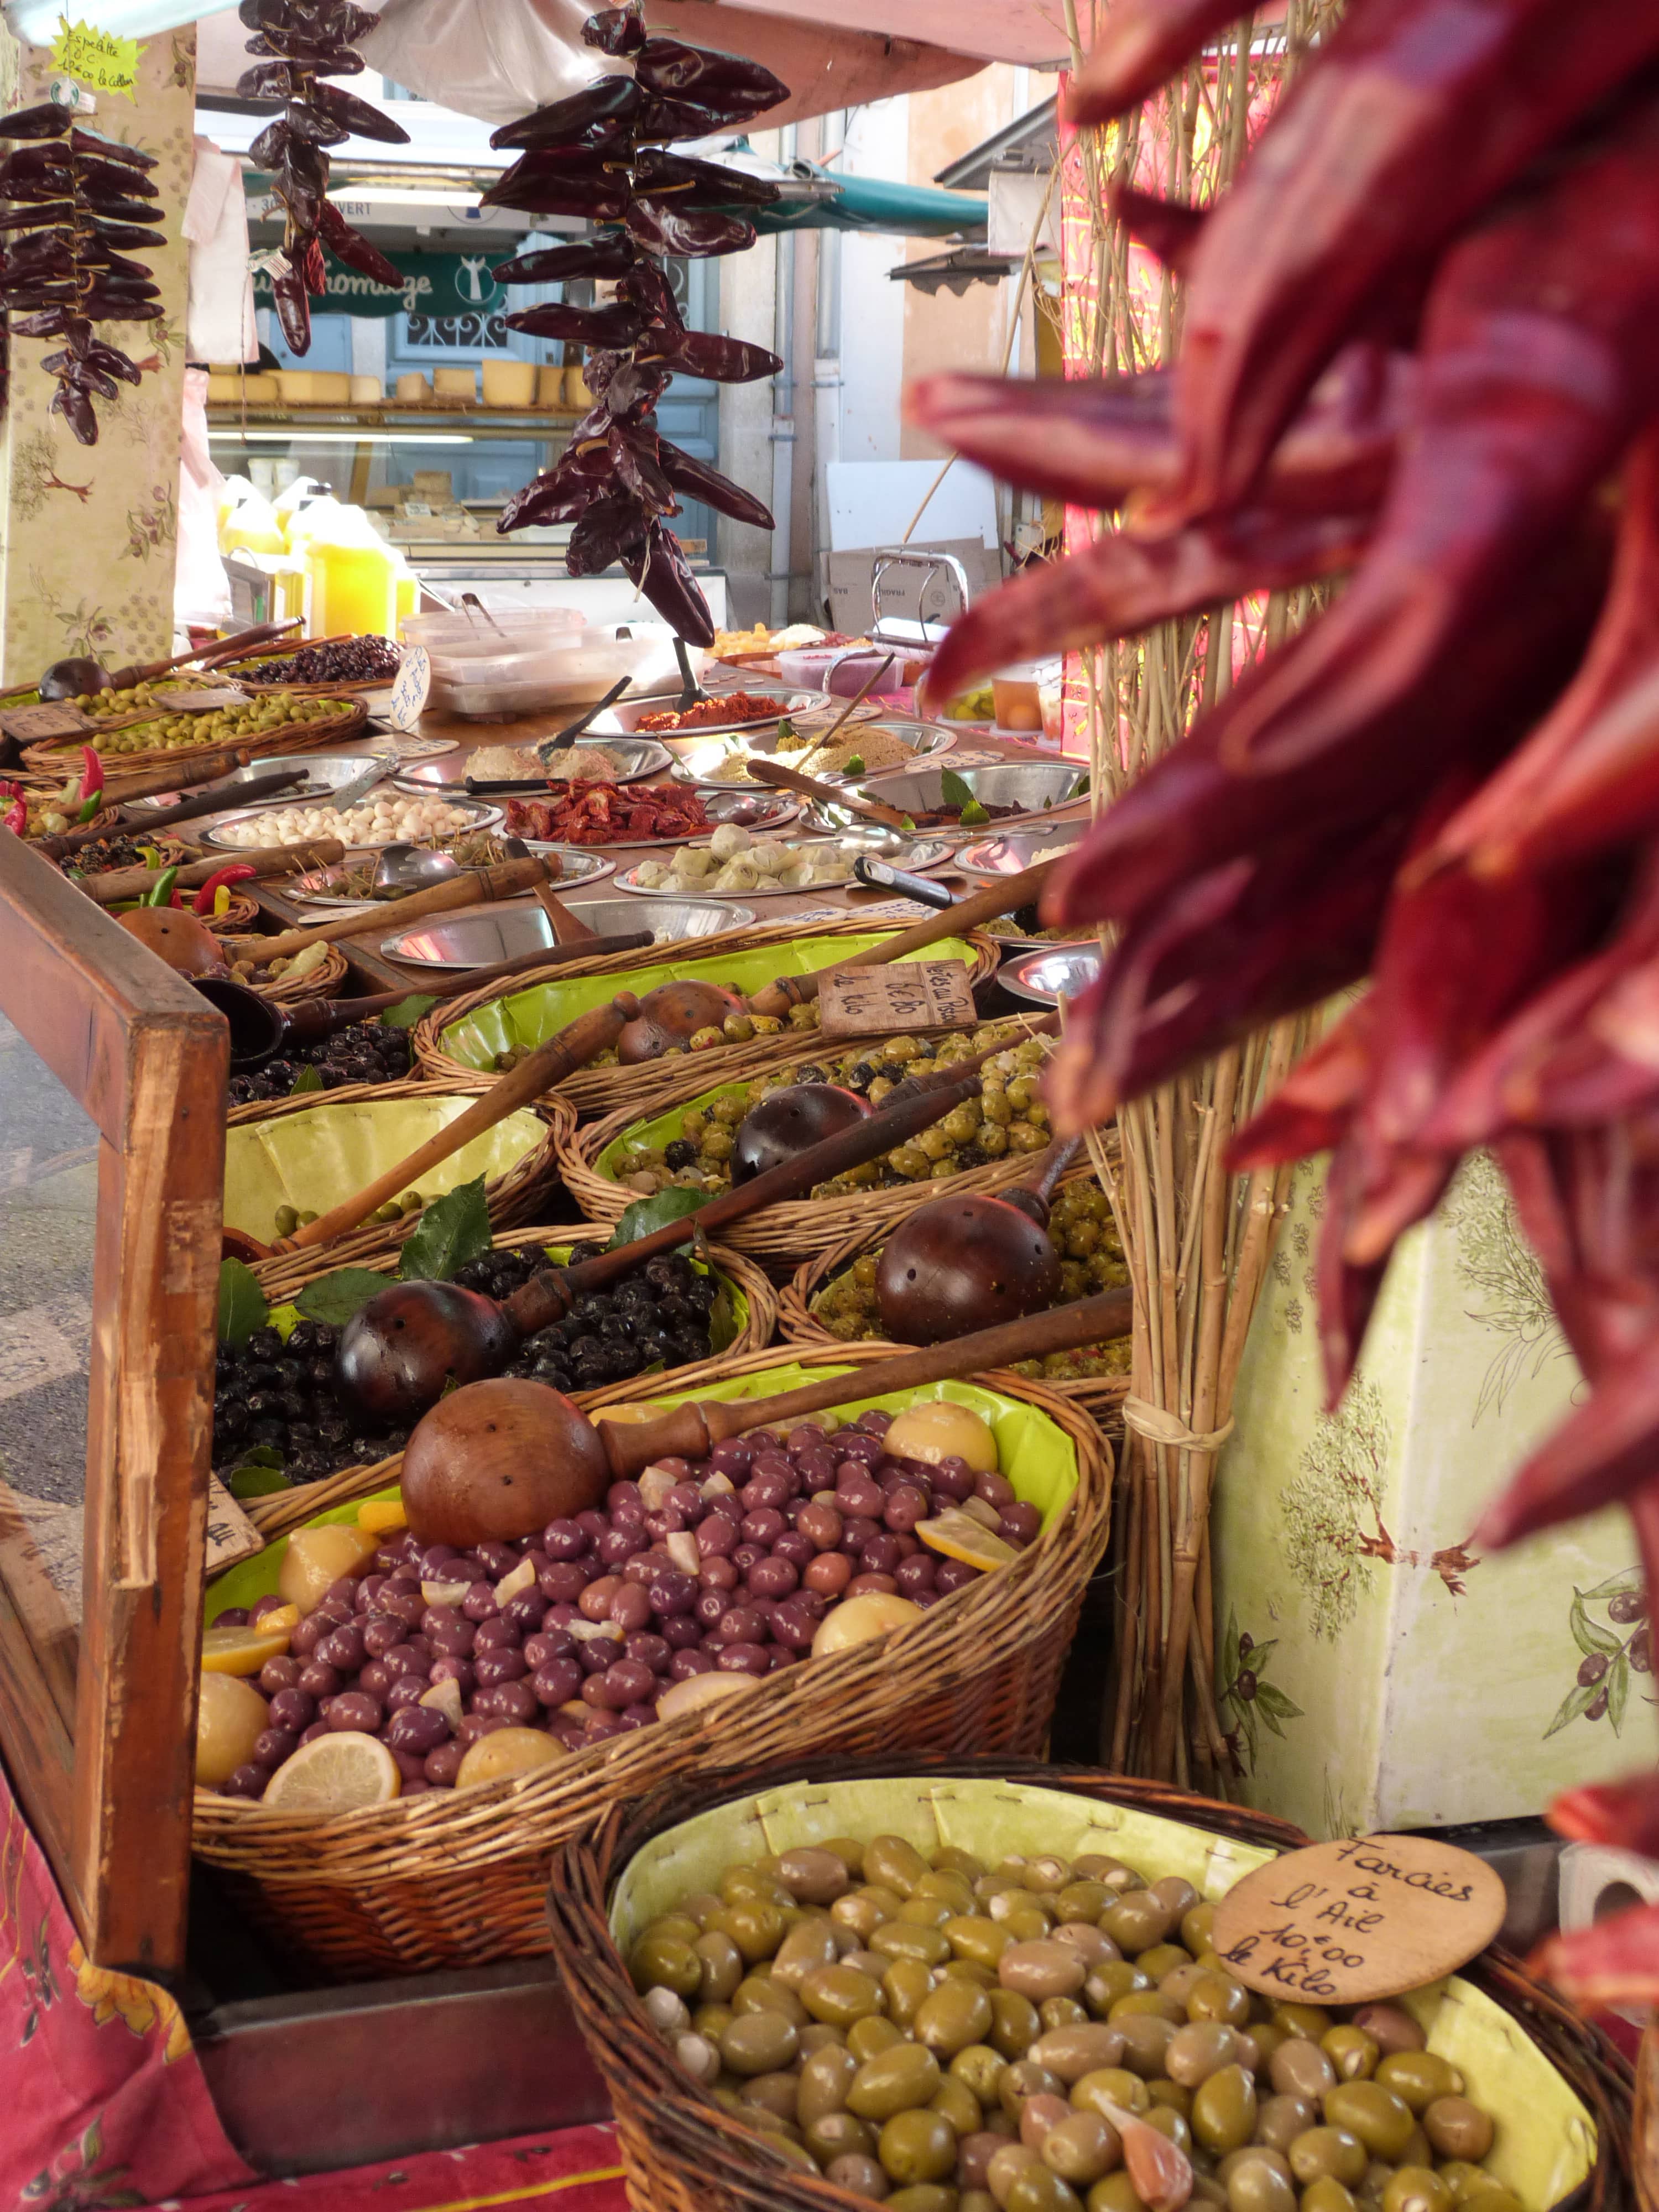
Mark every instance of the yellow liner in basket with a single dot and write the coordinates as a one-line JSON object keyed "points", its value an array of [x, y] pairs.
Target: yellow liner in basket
{"points": [[1546, 2140]]}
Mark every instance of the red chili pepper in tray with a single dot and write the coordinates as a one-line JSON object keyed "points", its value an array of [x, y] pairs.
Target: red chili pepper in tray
{"points": [[239, 871]]}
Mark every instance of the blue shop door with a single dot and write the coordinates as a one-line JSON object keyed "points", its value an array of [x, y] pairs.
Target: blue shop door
{"points": [[330, 342]]}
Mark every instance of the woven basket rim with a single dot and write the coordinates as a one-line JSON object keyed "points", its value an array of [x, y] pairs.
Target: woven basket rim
{"points": [[498, 1821], [294, 737], [320, 981], [676, 2119]]}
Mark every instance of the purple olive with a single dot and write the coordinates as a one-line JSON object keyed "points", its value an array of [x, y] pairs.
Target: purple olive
{"points": [[563, 1540], [417, 1730], [672, 1592], [773, 1578], [688, 1502], [319, 1679], [630, 1608], [356, 1709], [1021, 1524], [881, 1555], [685, 1664], [732, 1457], [718, 1574], [795, 1546], [953, 1574], [744, 1659], [497, 1635], [501, 1665], [556, 1681], [293, 1709], [740, 1624], [443, 1764], [274, 1745], [306, 1636], [856, 1532], [596, 1654], [459, 1671], [595, 1523], [249, 1781], [405, 1605], [513, 1702], [681, 1631], [279, 1673], [562, 1581], [546, 1644], [377, 1678], [650, 1650], [407, 1692], [916, 1574], [712, 1606], [717, 1537], [526, 1612], [479, 1603], [792, 1624]]}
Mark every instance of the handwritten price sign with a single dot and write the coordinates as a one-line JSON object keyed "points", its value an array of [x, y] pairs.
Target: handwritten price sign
{"points": [[915, 994], [1363, 1917]]}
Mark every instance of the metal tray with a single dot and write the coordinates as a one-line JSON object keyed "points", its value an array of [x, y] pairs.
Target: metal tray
{"points": [[699, 758], [325, 774], [643, 757], [1012, 852], [1034, 786], [316, 888], [916, 856], [721, 805], [1051, 973], [470, 814], [506, 932], [627, 715]]}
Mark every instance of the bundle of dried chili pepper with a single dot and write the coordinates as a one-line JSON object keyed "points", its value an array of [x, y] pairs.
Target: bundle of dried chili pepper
{"points": [[601, 153], [298, 43], [76, 204], [1420, 343]]}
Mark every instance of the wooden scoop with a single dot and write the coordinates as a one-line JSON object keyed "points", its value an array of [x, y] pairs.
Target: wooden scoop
{"points": [[501, 1458], [470, 887], [962, 1261], [573, 1046], [567, 929], [762, 770]]}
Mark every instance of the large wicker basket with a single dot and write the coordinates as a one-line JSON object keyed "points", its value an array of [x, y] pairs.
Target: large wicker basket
{"points": [[275, 1516], [597, 1090], [512, 1198], [1102, 1395], [683, 2152], [332, 729], [783, 1235], [445, 1880], [323, 980]]}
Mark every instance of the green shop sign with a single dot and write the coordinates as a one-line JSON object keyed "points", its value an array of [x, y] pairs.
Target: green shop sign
{"points": [[445, 286]]}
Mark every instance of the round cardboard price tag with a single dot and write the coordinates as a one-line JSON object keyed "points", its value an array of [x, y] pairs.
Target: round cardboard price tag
{"points": [[1363, 1917]]}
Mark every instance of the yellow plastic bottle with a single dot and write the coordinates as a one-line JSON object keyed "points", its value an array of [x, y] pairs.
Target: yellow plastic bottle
{"points": [[251, 527], [354, 572]]}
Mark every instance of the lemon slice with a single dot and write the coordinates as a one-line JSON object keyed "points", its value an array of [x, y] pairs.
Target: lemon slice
{"points": [[242, 1650], [382, 1517], [335, 1774], [959, 1536]]}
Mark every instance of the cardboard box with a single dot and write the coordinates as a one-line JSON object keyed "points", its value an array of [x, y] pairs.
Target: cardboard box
{"points": [[911, 592], [1396, 1677]]}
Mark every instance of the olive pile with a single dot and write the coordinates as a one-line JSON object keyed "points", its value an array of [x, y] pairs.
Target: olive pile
{"points": [[1083, 1236], [282, 1398], [225, 726], [1038, 2036], [366, 1053], [658, 1315], [736, 1028], [1009, 1116], [105, 853], [336, 661]]}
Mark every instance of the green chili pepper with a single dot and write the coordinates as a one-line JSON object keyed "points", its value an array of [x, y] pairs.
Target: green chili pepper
{"points": [[161, 892], [92, 807]]}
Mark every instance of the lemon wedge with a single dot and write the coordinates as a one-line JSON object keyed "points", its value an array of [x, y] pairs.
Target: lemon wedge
{"points": [[382, 1517], [243, 1651], [959, 1536], [335, 1774]]}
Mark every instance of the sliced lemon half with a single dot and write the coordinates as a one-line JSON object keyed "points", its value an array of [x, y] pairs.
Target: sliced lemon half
{"points": [[243, 1651], [335, 1774], [959, 1536]]}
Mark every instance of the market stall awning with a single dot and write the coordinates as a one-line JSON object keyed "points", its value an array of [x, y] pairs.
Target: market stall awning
{"points": [[814, 199]]}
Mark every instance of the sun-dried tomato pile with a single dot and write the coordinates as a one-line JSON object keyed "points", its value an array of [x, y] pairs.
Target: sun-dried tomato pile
{"points": [[733, 706], [606, 814]]}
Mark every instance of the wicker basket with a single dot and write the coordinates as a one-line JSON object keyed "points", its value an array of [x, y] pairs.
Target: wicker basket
{"points": [[443, 1879], [1102, 1395], [275, 1516], [597, 1090], [238, 920], [684, 2153], [294, 737], [511, 1198], [321, 981], [791, 1231]]}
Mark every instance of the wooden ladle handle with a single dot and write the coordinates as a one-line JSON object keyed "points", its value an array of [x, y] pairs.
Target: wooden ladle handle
{"points": [[690, 1431], [505, 880], [581, 1040], [791, 779], [1002, 896]]}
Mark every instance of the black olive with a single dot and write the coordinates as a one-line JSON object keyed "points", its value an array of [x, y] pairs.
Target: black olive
{"points": [[265, 1344], [680, 1154]]}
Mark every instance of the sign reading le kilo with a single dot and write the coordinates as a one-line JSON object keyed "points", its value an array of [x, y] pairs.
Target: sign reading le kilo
{"points": [[1363, 1917]]}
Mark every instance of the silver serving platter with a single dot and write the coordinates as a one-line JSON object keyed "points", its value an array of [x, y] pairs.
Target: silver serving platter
{"points": [[700, 758], [1034, 786], [916, 856], [508, 933], [470, 814], [642, 756], [324, 773], [1011, 855], [319, 886], [720, 806], [626, 716], [1051, 973]]}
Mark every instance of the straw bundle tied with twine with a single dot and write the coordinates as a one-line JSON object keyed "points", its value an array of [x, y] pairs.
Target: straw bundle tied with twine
{"points": [[1197, 1240]]}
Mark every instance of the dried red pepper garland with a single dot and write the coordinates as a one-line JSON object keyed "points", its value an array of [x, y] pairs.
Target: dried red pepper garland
{"points": [[299, 42], [599, 154], [76, 203], [1421, 341]]}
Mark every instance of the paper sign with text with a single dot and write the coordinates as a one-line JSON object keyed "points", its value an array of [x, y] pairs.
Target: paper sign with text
{"points": [[32, 725], [912, 994], [102, 59], [1363, 1917], [412, 689], [201, 702]]}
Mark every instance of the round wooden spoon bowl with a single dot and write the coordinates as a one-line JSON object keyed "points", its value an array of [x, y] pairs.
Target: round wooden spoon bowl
{"points": [[404, 1348], [961, 1264], [498, 1460], [790, 1121], [672, 1014]]}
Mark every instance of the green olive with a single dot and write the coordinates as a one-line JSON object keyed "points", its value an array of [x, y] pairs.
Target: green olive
{"points": [[1370, 2110], [1224, 2112], [1015, 2026], [1219, 1997], [759, 2043], [971, 1936], [840, 1995], [810, 1943], [924, 1912], [824, 2081], [1260, 2182], [969, 1970], [1137, 1922], [1162, 1958], [1418, 2077], [1147, 2040], [1494, 2200], [838, 2135], [1175, 2096], [1280, 2120], [1083, 2148], [980, 2070], [917, 2146], [755, 1928], [665, 1962], [868, 2038], [1328, 2154], [899, 1940], [1083, 1900], [894, 1864], [1025, 2079], [1199, 2050], [861, 2175], [1465, 2179], [925, 2197], [711, 2021], [1416, 2189], [1328, 2195], [1458, 2130], [894, 2080], [951, 1858], [1073, 2051], [1037, 2188], [773, 2093], [1310, 2021], [1154, 2002], [1110, 2085], [959, 2105], [1106, 1984], [949, 1887], [1196, 1926], [1351, 2052], [864, 1910], [1300, 2068], [1115, 2194], [906, 1984], [954, 2016]]}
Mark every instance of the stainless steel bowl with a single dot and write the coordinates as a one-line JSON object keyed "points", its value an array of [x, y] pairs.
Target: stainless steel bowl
{"points": [[1019, 849], [1034, 786], [643, 757], [324, 774], [470, 814], [321, 886], [1061, 971], [474, 940]]}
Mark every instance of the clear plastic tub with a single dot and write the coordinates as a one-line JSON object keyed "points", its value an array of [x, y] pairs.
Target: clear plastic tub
{"points": [[471, 637], [582, 668]]}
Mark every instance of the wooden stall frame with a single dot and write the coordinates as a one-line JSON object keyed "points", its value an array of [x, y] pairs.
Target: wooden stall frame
{"points": [[101, 1753]]}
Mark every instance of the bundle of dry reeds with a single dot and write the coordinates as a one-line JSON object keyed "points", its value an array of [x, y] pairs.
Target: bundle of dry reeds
{"points": [[1198, 1239]]}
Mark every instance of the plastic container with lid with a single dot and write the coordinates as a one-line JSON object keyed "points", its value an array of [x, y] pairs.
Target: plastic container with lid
{"points": [[498, 636]]}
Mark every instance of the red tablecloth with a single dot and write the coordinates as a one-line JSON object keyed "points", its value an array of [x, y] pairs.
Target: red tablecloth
{"points": [[103, 2103]]}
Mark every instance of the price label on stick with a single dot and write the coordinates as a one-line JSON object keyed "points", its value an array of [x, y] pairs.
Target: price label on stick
{"points": [[412, 690], [912, 994], [1366, 1916], [33, 726], [201, 702]]}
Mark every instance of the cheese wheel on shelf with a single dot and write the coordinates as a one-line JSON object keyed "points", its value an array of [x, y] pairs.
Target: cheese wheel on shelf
{"points": [[456, 383], [414, 385]]}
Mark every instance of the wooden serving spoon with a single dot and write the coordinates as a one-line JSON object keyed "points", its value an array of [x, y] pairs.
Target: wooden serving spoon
{"points": [[958, 1263], [571, 1047], [405, 1347], [501, 1458], [567, 929], [762, 770], [115, 886]]}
